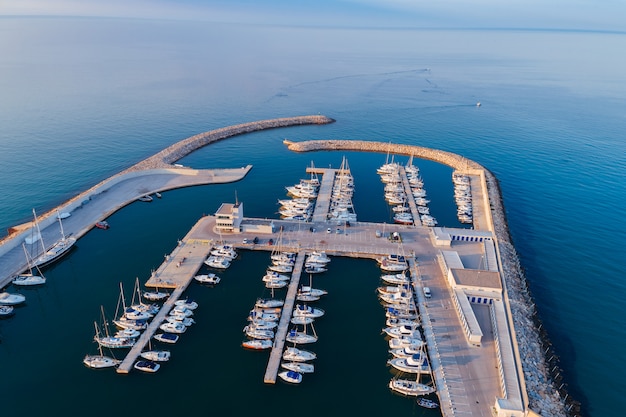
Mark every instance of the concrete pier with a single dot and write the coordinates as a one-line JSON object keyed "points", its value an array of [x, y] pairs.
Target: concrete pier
{"points": [[285, 322], [322, 204], [175, 273]]}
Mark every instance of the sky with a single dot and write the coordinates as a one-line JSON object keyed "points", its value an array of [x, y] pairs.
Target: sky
{"points": [[525, 14]]}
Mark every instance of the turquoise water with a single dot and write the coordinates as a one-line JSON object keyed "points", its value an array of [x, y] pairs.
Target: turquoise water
{"points": [[85, 98]]}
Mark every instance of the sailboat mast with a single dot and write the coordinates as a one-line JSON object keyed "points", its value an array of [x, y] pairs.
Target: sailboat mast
{"points": [[43, 246], [61, 225]]}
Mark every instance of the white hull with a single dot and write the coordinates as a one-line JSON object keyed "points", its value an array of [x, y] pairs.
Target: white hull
{"points": [[156, 355], [410, 388], [100, 362], [298, 355], [28, 280], [303, 368]]}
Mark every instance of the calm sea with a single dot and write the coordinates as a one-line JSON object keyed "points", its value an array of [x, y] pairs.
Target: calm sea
{"points": [[82, 99]]}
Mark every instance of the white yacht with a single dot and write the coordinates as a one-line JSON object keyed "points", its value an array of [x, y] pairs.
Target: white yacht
{"points": [[293, 354], [9, 299], [156, 355], [410, 387], [300, 367], [290, 376], [210, 279], [177, 328]]}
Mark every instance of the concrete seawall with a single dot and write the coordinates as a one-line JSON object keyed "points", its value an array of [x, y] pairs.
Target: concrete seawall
{"points": [[155, 173], [540, 383]]}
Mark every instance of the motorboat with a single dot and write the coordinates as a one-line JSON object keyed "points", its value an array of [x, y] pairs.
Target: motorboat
{"points": [[415, 364], [291, 376], [272, 276], [401, 313], [263, 324], [318, 257], [426, 403], [256, 315], [407, 351], [11, 299], [396, 279], [187, 303], [166, 337], [156, 355], [146, 366], [396, 321], [28, 280], [315, 269], [100, 361], [173, 327], [217, 262], [300, 367], [393, 289], [132, 314], [181, 311], [210, 279], [402, 298], [155, 295], [104, 225], [304, 297], [268, 303], [306, 289], [275, 284], [404, 330], [300, 338], [409, 387], [185, 321], [302, 320], [403, 218], [6, 311], [307, 311], [257, 344], [388, 265], [293, 354], [269, 310], [224, 251], [145, 199], [128, 333], [405, 341], [281, 268], [258, 334]]}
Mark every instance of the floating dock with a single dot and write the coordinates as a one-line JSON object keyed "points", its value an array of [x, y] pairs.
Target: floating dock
{"points": [[285, 321]]}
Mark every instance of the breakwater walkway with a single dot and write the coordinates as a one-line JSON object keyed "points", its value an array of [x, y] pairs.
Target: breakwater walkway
{"points": [[538, 385], [153, 174]]}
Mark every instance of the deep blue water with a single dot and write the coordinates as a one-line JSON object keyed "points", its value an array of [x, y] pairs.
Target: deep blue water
{"points": [[81, 99]]}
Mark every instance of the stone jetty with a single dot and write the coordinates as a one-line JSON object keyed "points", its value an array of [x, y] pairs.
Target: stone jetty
{"points": [[541, 378]]}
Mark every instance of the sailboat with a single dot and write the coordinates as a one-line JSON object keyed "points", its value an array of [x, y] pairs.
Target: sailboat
{"points": [[57, 250], [99, 361], [29, 278], [111, 342], [410, 387]]}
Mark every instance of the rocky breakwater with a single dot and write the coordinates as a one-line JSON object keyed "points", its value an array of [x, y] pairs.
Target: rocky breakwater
{"points": [[544, 386], [175, 152]]}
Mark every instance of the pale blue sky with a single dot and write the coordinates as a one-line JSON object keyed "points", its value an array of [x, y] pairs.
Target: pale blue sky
{"points": [[545, 14]]}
